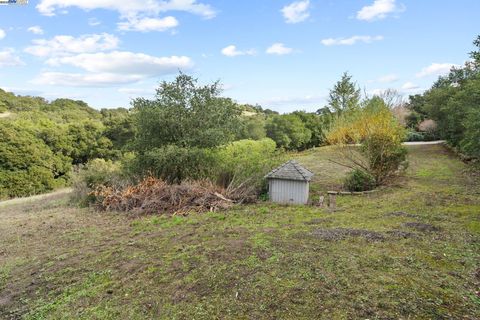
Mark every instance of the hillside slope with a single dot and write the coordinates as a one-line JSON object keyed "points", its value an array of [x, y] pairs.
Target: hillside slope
{"points": [[410, 251]]}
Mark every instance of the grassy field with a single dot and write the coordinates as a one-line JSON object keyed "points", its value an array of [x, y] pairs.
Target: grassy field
{"points": [[410, 251]]}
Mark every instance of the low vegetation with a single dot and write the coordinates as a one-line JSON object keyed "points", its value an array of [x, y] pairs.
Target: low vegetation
{"points": [[380, 153], [359, 180], [408, 251], [155, 196]]}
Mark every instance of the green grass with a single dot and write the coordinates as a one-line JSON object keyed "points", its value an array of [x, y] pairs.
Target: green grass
{"points": [[262, 261]]}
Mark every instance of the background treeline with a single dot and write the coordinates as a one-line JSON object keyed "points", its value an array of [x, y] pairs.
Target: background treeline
{"points": [[453, 103], [41, 141], [174, 136], [190, 131]]}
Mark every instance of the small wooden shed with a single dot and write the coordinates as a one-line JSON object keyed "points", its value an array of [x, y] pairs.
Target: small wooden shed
{"points": [[289, 183]]}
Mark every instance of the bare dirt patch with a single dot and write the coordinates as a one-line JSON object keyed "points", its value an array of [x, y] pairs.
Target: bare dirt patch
{"points": [[422, 227], [337, 234], [401, 214], [318, 221], [342, 233]]}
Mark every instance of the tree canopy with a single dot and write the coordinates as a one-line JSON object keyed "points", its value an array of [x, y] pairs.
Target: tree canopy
{"points": [[454, 103], [288, 131], [41, 140], [345, 94], [185, 114]]}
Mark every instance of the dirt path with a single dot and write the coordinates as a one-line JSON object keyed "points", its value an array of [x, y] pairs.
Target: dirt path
{"points": [[33, 198], [417, 143], [423, 143]]}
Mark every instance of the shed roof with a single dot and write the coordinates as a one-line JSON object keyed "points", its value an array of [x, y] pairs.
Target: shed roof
{"points": [[290, 170]]}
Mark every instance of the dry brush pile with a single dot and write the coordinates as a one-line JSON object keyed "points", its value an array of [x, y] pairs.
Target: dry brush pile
{"points": [[155, 196]]}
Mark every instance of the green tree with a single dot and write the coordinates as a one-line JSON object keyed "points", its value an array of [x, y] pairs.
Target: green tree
{"points": [[68, 111], [475, 55], [253, 127], [416, 106], [185, 114], [471, 141], [118, 126], [317, 124], [88, 142], [453, 102], [345, 95], [27, 165], [288, 131]]}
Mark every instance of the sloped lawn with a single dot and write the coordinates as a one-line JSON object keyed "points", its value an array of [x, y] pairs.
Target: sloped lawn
{"points": [[411, 251]]}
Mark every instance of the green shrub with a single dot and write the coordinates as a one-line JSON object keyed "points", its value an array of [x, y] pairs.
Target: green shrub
{"points": [[28, 182], [288, 131], [239, 166], [471, 142], [245, 162], [414, 136], [359, 180], [27, 165], [385, 156], [95, 173], [379, 134], [100, 172], [175, 164], [431, 135]]}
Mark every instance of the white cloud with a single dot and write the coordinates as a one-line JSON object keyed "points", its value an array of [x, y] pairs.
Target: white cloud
{"points": [[308, 102], [232, 51], [8, 58], [436, 69], [296, 11], [124, 62], [35, 30], [279, 49], [2, 34], [64, 45], [148, 24], [350, 41], [94, 22], [408, 86], [380, 9], [124, 7], [137, 91], [389, 78], [191, 6], [128, 8], [84, 80]]}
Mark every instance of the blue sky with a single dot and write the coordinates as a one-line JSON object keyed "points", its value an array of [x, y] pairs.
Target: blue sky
{"points": [[281, 54]]}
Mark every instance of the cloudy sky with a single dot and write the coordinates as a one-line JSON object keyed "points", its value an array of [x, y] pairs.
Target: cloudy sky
{"points": [[282, 54]]}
